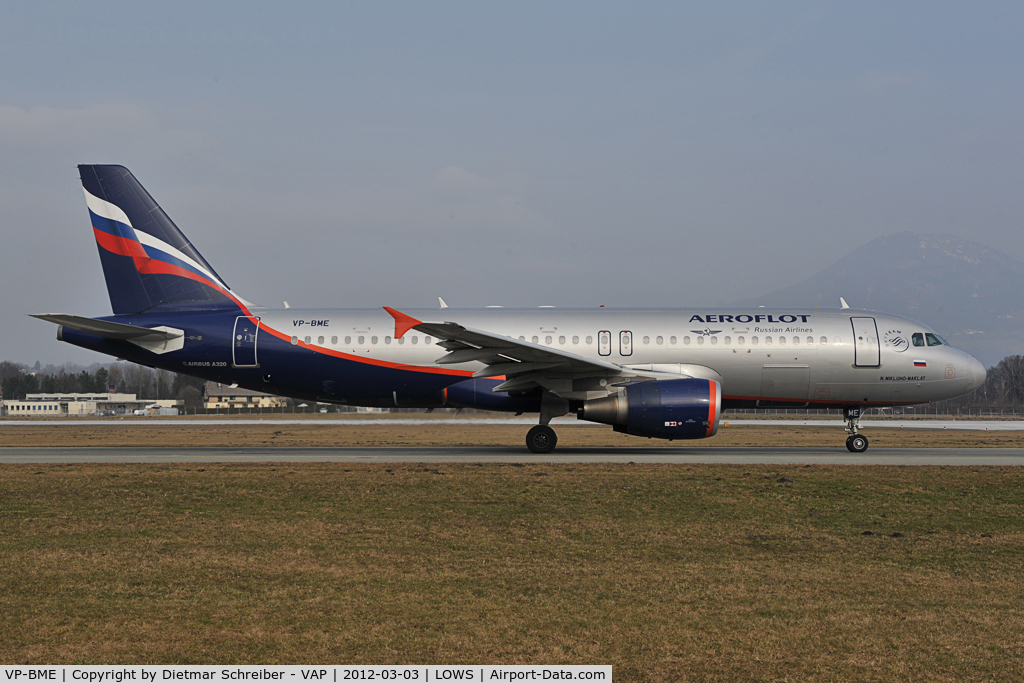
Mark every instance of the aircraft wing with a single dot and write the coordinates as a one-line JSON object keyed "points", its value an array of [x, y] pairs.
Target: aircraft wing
{"points": [[523, 364]]}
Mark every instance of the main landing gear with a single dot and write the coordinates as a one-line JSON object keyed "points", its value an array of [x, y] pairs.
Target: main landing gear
{"points": [[855, 443], [541, 439]]}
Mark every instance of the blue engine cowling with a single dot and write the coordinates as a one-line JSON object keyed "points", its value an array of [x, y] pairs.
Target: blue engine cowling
{"points": [[665, 409]]}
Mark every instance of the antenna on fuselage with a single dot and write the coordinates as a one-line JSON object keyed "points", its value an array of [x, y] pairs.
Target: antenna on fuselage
{"points": [[441, 301], [842, 303]]}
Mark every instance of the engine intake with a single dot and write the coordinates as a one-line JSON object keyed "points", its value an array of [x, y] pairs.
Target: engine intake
{"points": [[665, 409]]}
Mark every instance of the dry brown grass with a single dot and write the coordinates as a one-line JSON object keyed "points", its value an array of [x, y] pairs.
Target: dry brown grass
{"points": [[337, 433], [667, 572]]}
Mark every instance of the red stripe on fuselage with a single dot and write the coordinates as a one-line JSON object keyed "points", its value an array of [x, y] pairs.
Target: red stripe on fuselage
{"points": [[802, 401], [150, 266]]}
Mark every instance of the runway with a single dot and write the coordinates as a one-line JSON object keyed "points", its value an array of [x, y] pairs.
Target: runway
{"points": [[963, 457], [975, 425]]}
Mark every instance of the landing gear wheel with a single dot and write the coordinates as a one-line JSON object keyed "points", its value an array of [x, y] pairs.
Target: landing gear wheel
{"points": [[857, 443], [541, 439]]}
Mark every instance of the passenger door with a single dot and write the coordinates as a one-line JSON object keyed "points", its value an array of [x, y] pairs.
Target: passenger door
{"points": [[866, 349], [243, 342]]}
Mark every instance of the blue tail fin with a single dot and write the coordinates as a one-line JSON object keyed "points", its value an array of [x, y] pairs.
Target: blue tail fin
{"points": [[147, 262]]}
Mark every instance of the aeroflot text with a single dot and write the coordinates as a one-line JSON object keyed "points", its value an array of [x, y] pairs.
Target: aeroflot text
{"points": [[744, 318]]}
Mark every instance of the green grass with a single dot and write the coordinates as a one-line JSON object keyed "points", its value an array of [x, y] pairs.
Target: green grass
{"points": [[666, 572]]}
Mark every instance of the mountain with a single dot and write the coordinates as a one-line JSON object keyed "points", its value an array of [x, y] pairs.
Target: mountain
{"points": [[971, 294]]}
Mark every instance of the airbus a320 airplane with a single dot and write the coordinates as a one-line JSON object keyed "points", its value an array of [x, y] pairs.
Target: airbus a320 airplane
{"points": [[664, 373]]}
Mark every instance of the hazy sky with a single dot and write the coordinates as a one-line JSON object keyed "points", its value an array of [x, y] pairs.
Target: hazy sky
{"points": [[369, 154]]}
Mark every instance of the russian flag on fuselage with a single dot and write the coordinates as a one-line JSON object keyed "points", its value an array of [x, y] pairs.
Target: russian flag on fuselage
{"points": [[147, 261]]}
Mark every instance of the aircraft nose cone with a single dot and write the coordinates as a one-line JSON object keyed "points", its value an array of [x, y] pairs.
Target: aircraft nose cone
{"points": [[976, 372]]}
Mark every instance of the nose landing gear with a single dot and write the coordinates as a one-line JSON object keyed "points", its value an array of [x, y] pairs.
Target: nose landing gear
{"points": [[855, 443]]}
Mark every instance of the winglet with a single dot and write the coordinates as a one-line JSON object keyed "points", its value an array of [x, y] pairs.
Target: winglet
{"points": [[403, 322]]}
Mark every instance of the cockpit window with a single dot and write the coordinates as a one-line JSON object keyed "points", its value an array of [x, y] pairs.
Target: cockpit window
{"points": [[918, 339], [933, 339]]}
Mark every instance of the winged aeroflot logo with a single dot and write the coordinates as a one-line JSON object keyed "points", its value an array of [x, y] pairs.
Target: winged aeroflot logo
{"points": [[707, 332]]}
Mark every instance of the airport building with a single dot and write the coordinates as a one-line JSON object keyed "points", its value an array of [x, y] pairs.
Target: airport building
{"points": [[65, 405], [224, 396]]}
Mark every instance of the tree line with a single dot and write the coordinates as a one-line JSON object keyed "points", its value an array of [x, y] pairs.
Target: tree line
{"points": [[17, 380], [1003, 388]]}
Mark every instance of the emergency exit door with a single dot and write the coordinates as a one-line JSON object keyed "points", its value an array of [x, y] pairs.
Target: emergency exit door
{"points": [[866, 350], [243, 342]]}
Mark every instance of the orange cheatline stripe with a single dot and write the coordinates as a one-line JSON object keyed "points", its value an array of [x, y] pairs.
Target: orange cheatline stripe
{"points": [[730, 397], [144, 264]]}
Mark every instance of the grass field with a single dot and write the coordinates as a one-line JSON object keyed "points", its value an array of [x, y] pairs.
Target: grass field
{"points": [[328, 433], [669, 573]]}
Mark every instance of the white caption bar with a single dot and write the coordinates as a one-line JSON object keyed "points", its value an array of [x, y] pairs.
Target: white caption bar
{"points": [[290, 674]]}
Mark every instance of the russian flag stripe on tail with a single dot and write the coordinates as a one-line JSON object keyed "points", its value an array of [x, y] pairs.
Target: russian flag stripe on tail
{"points": [[147, 261]]}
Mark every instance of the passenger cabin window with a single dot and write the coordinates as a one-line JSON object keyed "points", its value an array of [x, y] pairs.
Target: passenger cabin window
{"points": [[348, 340], [334, 341], [561, 340], [387, 340], [373, 340], [307, 340], [535, 339], [575, 339], [933, 339], [647, 340], [415, 339], [320, 340], [767, 340], [700, 340], [590, 340], [362, 340], [728, 340], [918, 339], [660, 340], [740, 340], [671, 340], [547, 339], [426, 340]]}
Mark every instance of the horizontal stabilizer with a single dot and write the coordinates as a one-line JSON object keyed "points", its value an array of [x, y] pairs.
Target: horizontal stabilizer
{"points": [[156, 339]]}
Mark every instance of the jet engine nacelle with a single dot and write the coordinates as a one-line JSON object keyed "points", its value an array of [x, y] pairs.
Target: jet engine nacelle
{"points": [[665, 409]]}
